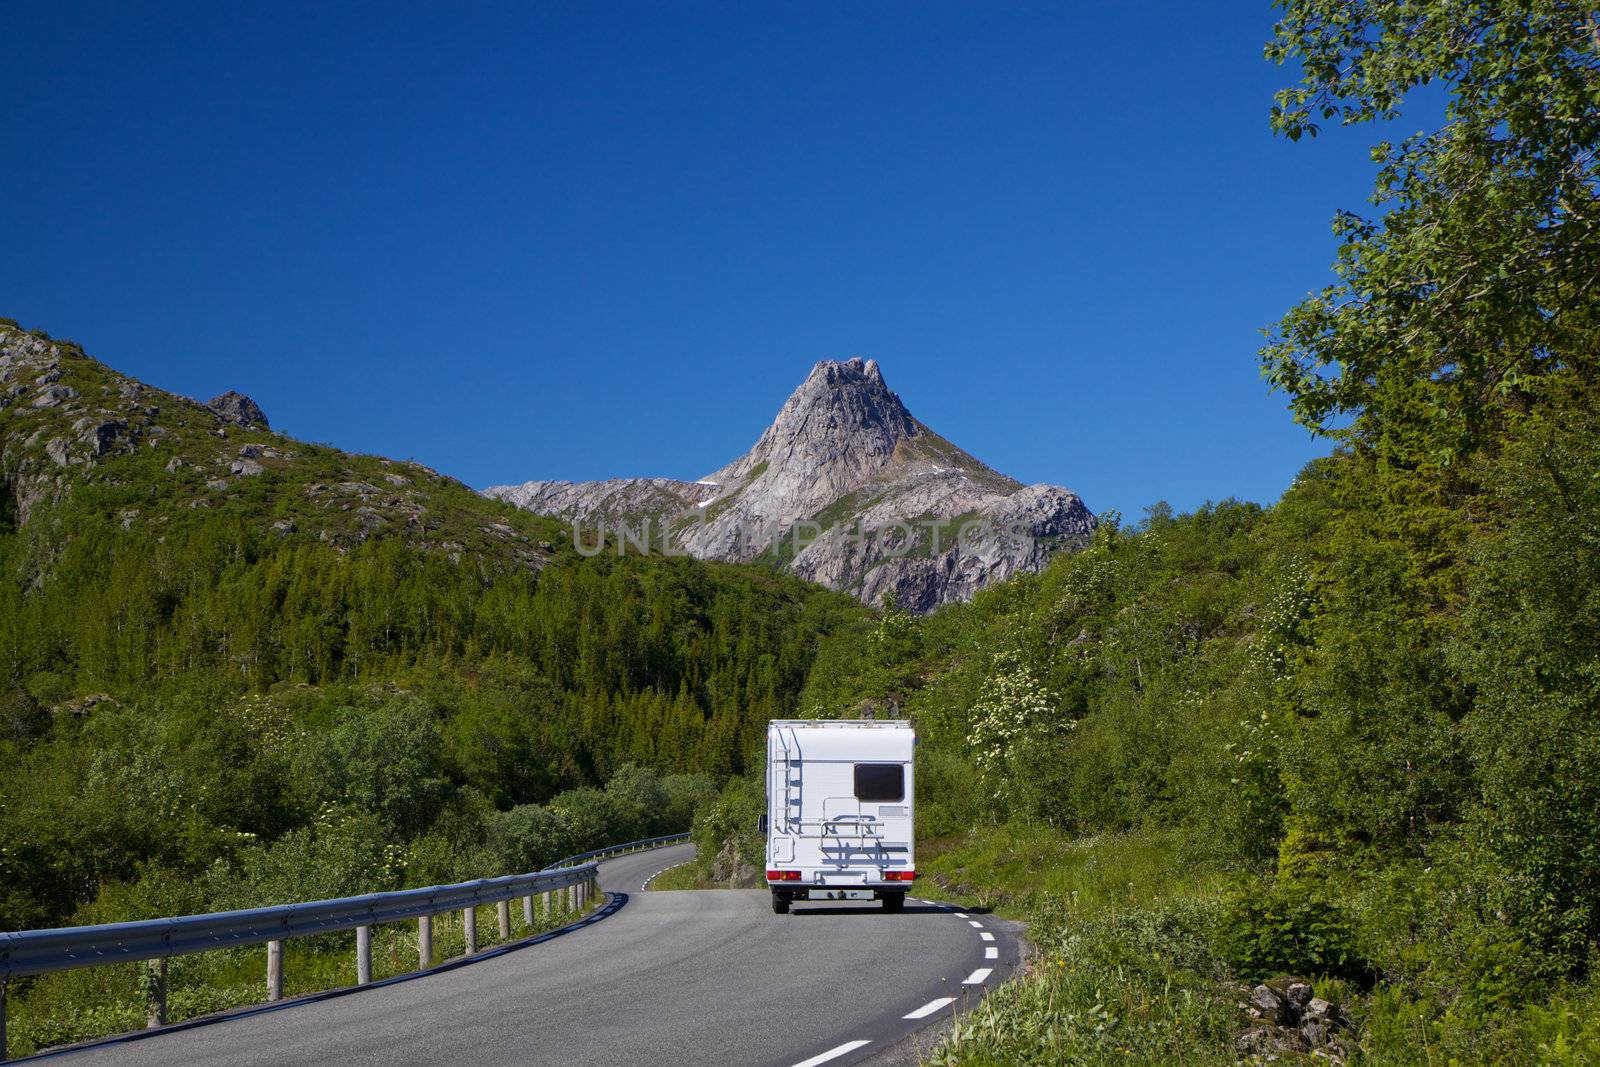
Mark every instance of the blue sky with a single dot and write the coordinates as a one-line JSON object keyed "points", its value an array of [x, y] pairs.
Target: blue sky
{"points": [[599, 239]]}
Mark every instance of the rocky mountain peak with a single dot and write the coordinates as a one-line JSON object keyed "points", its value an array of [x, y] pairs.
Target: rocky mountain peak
{"points": [[838, 429], [880, 498], [841, 372], [845, 397]]}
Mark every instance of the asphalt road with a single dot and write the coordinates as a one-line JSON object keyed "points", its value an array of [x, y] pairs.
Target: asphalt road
{"points": [[694, 977]]}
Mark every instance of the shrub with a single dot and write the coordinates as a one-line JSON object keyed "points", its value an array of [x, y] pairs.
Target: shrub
{"points": [[1281, 929], [341, 854], [530, 837], [726, 829]]}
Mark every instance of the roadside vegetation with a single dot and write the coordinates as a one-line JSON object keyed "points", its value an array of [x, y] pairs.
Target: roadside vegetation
{"points": [[1354, 737]]}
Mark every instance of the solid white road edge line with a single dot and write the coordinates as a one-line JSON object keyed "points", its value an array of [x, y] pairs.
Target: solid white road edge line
{"points": [[929, 1008], [833, 1053], [664, 870], [979, 976], [987, 937]]}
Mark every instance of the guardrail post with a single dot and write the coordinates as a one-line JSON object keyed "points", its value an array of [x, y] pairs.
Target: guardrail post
{"points": [[274, 970], [502, 912], [363, 955], [594, 886], [527, 909], [424, 942], [469, 927], [155, 996], [546, 905]]}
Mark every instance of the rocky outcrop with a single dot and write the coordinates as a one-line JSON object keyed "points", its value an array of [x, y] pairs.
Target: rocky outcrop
{"points": [[239, 410], [1287, 1019], [626, 500], [845, 488]]}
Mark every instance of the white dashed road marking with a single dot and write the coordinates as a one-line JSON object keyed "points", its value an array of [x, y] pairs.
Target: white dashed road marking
{"points": [[977, 977], [930, 1007], [833, 1053], [664, 870]]}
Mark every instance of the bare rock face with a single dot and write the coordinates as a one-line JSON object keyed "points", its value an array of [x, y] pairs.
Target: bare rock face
{"points": [[845, 488], [616, 500], [240, 410]]}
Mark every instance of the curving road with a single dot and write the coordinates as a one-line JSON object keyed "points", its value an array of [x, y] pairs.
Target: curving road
{"points": [[695, 977]]}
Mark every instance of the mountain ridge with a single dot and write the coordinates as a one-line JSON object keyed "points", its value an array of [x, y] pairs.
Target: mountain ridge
{"points": [[68, 420], [845, 487]]}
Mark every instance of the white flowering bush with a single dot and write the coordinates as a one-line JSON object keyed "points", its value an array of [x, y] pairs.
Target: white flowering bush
{"points": [[271, 726], [1280, 627], [1015, 711]]}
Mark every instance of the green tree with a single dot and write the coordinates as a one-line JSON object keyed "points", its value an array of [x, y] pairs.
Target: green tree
{"points": [[1474, 286], [1531, 651], [384, 760]]}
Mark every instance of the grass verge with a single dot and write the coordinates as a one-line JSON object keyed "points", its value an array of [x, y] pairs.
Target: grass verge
{"points": [[684, 876]]}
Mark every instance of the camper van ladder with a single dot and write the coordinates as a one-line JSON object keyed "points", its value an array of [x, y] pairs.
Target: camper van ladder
{"points": [[789, 815]]}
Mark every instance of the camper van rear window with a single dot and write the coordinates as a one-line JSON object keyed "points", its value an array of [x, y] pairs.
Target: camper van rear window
{"points": [[880, 782]]}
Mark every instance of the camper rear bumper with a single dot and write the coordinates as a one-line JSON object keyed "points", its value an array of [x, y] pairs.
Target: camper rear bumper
{"points": [[798, 885], [842, 892]]}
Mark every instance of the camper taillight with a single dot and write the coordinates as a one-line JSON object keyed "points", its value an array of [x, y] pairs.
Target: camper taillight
{"points": [[899, 876], [783, 876]]}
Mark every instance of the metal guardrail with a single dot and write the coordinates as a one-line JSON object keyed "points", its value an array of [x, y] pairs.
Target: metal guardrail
{"points": [[617, 850], [30, 952]]}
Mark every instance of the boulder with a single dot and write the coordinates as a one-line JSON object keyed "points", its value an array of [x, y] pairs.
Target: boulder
{"points": [[238, 409], [1268, 1005], [1299, 995], [54, 396], [1253, 1041], [102, 437]]}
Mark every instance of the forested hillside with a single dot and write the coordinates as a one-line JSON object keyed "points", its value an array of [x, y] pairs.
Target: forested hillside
{"points": [[256, 669]]}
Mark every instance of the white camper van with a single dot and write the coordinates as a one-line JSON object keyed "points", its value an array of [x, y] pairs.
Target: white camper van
{"points": [[839, 811]]}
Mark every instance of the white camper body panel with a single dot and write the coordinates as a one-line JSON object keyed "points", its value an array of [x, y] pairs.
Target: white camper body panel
{"points": [[840, 815]]}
